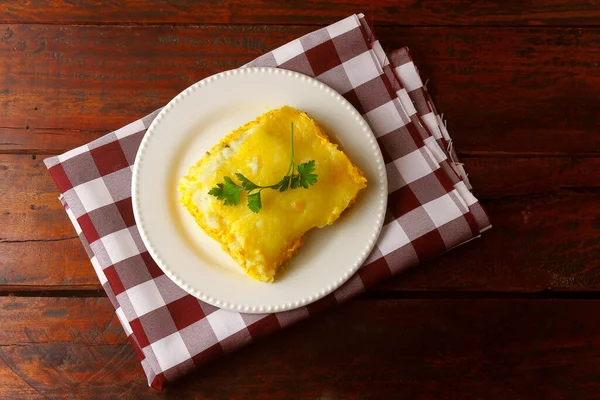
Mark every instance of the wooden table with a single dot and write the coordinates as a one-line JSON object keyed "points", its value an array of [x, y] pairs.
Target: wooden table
{"points": [[512, 315]]}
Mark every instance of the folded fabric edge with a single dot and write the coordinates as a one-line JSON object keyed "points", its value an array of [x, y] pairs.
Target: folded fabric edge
{"points": [[108, 289], [54, 162], [407, 73], [437, 153]]}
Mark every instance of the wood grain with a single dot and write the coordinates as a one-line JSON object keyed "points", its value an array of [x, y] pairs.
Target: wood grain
{"points": [[45, 264], [503, 91], [495, 178], [384, 12], [550, 241], [90, 321], [14, 386], [407, 349], [536, 204], [30, 209], [52, 346]]}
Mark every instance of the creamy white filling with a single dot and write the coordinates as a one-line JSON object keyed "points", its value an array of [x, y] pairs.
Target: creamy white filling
{"points": [[203, 201], [253, 165], [211, 221], [214, 162]]}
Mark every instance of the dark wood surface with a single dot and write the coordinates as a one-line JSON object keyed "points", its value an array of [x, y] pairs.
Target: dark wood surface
{"points": [[512, 315], [368, 348]]}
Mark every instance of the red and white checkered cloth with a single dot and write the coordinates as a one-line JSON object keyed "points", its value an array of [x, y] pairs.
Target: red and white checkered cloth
{"points": [[430, 208]]}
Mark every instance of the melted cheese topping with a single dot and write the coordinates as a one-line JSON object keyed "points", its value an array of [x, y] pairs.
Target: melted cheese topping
{"points": [[261, 150]]}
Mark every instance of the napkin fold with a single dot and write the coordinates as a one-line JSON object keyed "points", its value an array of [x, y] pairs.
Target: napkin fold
{"points": [[430, 207]]}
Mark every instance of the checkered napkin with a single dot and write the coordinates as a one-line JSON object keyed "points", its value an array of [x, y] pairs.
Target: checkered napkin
{"points": [[430, 208]]}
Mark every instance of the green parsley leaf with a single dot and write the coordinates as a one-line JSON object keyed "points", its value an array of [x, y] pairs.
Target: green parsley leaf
{"points": [[295, 181], [217, 192], [284, 183], [305, 171], [254, 202], [306, 168], [228, 191], [246, 183]]}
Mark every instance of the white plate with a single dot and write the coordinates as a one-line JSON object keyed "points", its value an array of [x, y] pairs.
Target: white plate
{"points": [[191, 124]]}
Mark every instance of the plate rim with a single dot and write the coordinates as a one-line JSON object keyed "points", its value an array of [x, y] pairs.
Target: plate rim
{"points": [[308, 299]]}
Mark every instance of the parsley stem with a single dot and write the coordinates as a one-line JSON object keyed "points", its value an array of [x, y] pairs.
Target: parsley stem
{"points": [[292, 166]]}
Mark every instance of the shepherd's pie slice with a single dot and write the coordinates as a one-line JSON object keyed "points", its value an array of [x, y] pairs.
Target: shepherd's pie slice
{"points": [[260, 150]]}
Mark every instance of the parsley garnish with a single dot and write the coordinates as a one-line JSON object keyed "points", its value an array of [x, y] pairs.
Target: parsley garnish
{"points": [[230, 192]]}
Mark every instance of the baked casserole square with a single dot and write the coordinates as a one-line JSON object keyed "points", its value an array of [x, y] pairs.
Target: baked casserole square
{"points": [[260, 242]]}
